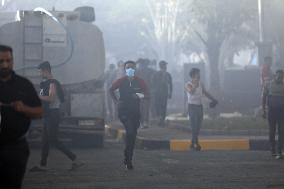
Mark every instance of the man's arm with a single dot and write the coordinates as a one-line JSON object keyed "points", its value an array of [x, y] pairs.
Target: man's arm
{"points": [[31, 105], [190, 88], [170, 85], [115, 85], [207, 94], [144, 88], [264, 100], [31, 112]]}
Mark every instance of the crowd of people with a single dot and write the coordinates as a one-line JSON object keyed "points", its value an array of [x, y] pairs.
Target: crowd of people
{"points": [[136, 91], [159, 83]]}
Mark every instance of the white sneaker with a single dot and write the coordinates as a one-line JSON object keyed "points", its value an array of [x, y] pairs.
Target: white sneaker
{"points": [[144, 126], [279, 156], [76, 164], [38, 169]]}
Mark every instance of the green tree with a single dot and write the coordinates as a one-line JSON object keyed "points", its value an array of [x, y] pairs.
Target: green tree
{"points": [[218, 24], [274, 28]]}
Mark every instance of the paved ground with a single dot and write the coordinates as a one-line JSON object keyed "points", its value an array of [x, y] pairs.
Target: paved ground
{"points": [[177, 137], [160, 170], [175, 130]]}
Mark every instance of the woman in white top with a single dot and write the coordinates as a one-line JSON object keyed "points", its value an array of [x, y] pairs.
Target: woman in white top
{"points": [[195, 91]]}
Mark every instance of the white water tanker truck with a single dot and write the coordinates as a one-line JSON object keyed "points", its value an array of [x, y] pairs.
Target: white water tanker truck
{"points": [[75, 48]]}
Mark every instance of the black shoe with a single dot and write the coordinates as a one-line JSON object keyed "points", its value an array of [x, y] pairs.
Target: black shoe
{"points": [[273, 152], [125, 162], [76, 165], [195, 147], [128, 164], [198, 147]]}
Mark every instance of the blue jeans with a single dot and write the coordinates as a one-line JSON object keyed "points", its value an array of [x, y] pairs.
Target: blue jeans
{"points": [[196, 117], [50, 131], [276, 122]]}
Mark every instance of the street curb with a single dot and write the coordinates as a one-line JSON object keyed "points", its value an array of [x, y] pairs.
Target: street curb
{"points": [[184, 144]]}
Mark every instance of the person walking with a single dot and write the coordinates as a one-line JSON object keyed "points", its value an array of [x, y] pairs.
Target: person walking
{"points": [[146, 73], [162, 91], [50, 95], [19, 103], [273, 98], [195, 91], [131, 89]]}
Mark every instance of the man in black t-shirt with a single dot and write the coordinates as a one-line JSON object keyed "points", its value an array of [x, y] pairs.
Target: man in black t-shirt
{"points": [[19, 103], [49, 95], [131, 90]]}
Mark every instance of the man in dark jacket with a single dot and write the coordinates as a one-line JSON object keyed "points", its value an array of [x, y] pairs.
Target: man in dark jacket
{"points": [[162, 89], [131, 90]]}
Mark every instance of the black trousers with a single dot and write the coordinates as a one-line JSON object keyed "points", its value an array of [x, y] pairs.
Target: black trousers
{"points": [[161, 101], [13, 162], [130, 118], [276, 122], [196, 118], [50, 136]]}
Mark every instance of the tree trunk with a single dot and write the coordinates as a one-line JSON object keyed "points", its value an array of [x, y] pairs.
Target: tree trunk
{"points": [[213, 52]]}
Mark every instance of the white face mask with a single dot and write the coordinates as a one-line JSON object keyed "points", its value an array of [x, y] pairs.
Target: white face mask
{"points": [[130, 72]]}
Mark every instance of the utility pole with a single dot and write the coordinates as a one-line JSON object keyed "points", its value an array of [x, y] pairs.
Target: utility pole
{"points": [[260, 20], [264, 46]]}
